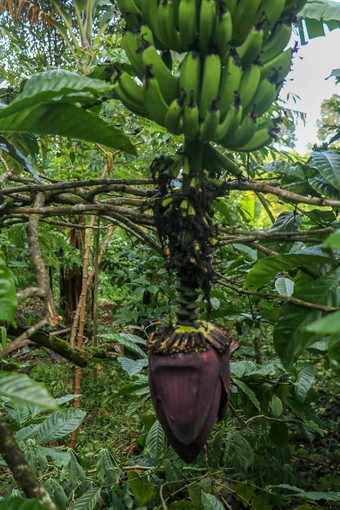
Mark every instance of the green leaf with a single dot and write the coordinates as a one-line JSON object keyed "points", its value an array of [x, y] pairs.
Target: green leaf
{"points": [[65, 119], [249, 392], [155, 441], [210, 502], [58, 425], [266, 269], [327, 325], [127, 340], [8, 300], [57, 493], [21, 390], [261, 502], [107, 467], [133, 367], [334, 353], [58, 85], [316, 496], [333, 241], [284, 286], [10, 149], [304, 381], [181, 504], [328, 165], [276, 406], [141, 487], [290, 334], [22, 504], [87, 501]]}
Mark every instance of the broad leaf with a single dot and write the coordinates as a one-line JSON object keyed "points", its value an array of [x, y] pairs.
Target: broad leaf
{"points": [[65, 119], [87, 501], [327, 325], [133, 367], [266, 269], [304, 381], [334, 352], [277, 406], [21, 390], [290, 335], [316, 496], [108, 470], [249, 392], [58, 425], [141, 487], [316, 14], [284, 286], [22, 504], [210, 502], [127, 340], [333, 241], [57, 493], [155, 441], [8, 300], [58, 85], [328, 165], [15, 153]]}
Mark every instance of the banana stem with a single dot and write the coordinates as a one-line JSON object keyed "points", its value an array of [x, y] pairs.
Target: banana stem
{"points": [[188, 310]]}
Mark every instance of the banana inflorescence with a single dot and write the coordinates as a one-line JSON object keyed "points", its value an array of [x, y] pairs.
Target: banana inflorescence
{"points": [[233, 70]]}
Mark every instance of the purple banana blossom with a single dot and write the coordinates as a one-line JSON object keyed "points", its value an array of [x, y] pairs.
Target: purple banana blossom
{"points": [[189, 390]]}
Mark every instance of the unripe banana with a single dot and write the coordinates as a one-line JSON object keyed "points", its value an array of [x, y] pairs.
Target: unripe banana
{"points": [[249, 82], [133, 106], [187, 23], [130, 12], [243, 19], [191, 119], [261, 138], [144, 36], [276, 44], [167, 26], [154, 101], [244, 133], [209, 125], [130, 88], [270, 12], [130, 45], [173, 119], [264, 97], [150, 14], [250, 49], [278, 68], [223, 33], [230, 82], [190, 77], [229, 125], [220, 161], [207, 25], [168, 83], [210, 82]]}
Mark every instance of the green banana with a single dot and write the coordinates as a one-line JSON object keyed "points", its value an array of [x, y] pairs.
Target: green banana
{"points": [[187, 23], [220, 161], [278, 68], [150, 14], [154, 101], [244, 133], [173, 119], [261, 138], [243, 19], [130, 88], [132, 105], [231, 5], [264, 97], [230, 82], [229, 125], [190, 76], [130, 45], [210, 82], [144, 36], [249, 82], [223, 33], [250, 49], [276, 44], [270, 12], [168, 83], [207, 25], [191, 119], [167, 26], [209, 125], [130, 12]]}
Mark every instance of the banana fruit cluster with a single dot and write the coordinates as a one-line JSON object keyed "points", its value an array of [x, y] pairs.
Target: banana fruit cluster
{"points": [[234, 65]]}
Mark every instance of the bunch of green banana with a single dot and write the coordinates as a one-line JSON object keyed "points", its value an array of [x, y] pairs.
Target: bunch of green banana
{"points": [[233, 70]]}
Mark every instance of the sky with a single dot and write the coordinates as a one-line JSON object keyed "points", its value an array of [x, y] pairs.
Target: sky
{"points": [[312, 65]]}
